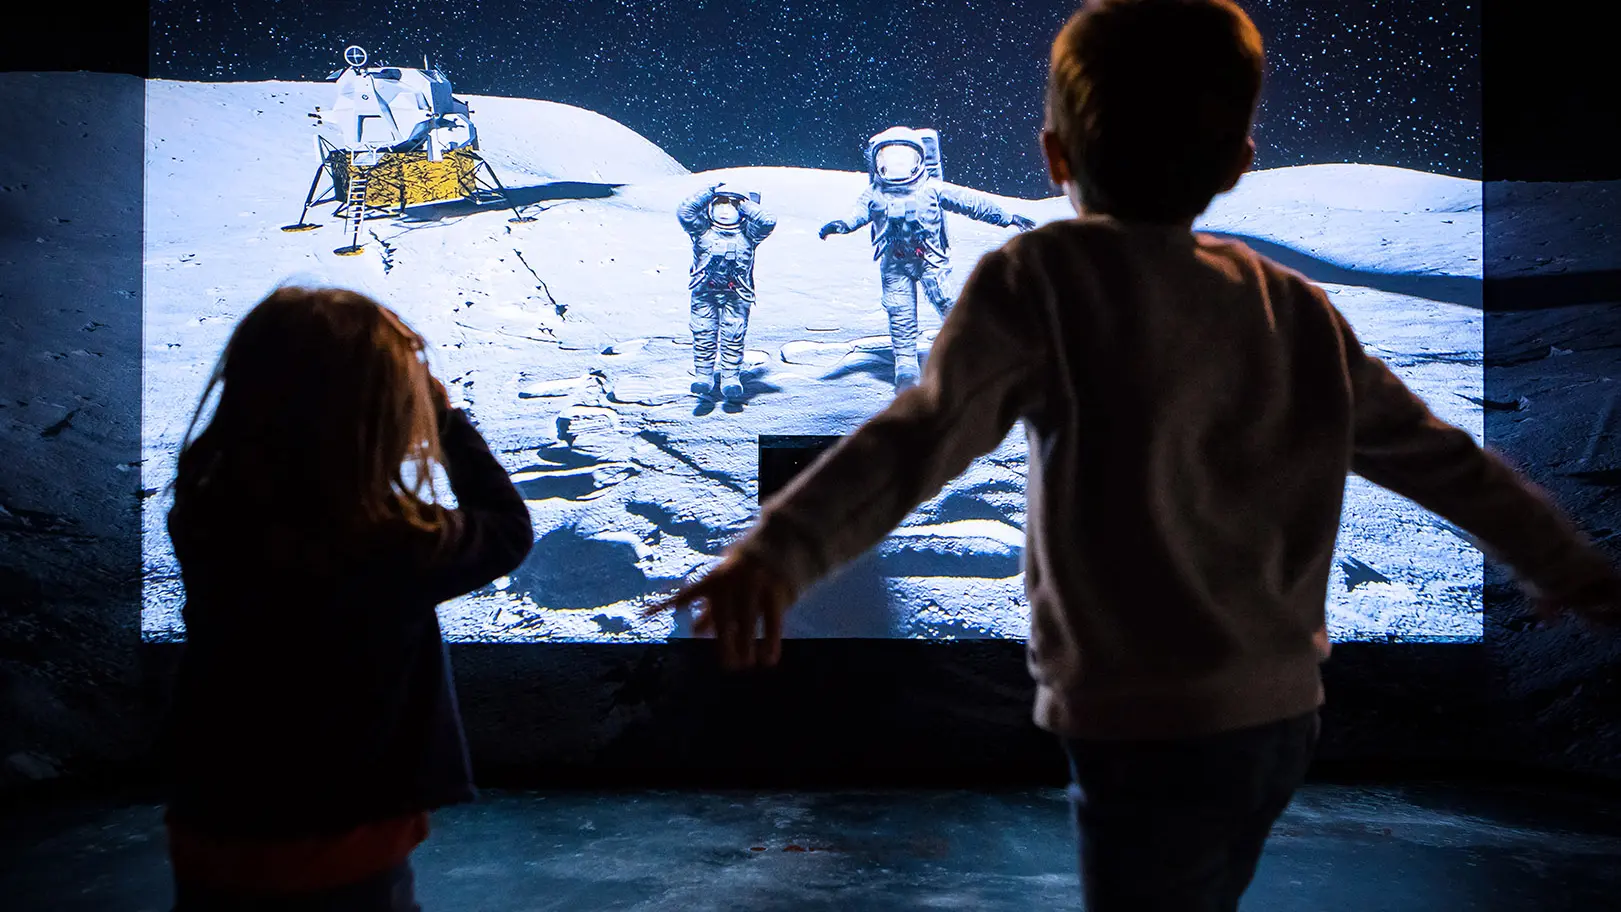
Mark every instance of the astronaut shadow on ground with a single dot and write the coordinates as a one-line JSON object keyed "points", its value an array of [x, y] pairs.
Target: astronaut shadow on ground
{"points": [[1449, 289], [518, 197], [878, 365]]}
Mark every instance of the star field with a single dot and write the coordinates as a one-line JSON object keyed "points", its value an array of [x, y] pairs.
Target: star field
{"points": [[721, 83]]}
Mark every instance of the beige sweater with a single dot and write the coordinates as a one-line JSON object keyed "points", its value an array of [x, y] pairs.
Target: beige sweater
{"points": [[1192, 410]]}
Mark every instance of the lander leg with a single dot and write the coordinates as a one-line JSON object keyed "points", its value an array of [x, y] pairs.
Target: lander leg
{"points": [[309, 199], [517, 216]]}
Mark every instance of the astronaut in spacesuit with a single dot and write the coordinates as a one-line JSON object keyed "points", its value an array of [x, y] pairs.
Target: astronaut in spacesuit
{"points": [[905, 203], [726, 226]]}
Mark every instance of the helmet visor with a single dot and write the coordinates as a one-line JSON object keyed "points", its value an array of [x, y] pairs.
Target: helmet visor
{"points": [[724, 212], [898, 162]]}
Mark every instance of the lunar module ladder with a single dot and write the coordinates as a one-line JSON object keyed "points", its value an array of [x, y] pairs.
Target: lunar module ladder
{"points": [[355, 207]]}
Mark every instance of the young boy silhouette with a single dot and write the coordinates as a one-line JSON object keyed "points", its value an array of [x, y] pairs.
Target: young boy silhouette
{"points": [[1192, 410]]}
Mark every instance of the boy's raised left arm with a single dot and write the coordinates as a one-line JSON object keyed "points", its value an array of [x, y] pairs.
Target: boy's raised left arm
{"points": [[983, 374]]}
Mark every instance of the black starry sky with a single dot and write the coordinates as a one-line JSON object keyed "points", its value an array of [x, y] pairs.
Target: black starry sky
{"points": [[721, 83]]}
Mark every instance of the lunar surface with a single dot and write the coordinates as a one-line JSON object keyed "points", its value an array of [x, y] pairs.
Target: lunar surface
{"points": [[566, 339]]}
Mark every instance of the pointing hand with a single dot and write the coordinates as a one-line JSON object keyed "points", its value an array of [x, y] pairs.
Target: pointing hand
{"points": [[743, 603], [1022, 223]]}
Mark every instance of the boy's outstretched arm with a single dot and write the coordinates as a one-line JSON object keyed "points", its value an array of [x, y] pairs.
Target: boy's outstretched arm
{"points": [[983, 375], [1402, 446]]}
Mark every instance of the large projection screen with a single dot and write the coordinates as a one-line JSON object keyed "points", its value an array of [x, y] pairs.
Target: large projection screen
{"points": [[548, 269]]}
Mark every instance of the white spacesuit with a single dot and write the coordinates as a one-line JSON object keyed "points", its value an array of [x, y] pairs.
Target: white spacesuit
{"points": [[725, 226], [906, 203]]}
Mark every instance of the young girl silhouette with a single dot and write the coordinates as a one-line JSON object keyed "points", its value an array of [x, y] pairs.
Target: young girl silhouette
{"points": [[314, 723]]}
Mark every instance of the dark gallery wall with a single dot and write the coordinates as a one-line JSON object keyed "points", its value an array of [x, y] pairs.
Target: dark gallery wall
{"points": [[79, 694], [70, 305], [1548, 93], [1553, 352]]}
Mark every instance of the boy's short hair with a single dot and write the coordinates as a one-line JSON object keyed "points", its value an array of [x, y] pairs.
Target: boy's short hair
{"points": [[1153, 102]]}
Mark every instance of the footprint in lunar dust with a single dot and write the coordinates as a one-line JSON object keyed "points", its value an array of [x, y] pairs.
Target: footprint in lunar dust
{"points": [[627, 347], [990, 549], [701, 537], [548, 389], [649, 391], [577, 483], [827, 354], [974, 503]]}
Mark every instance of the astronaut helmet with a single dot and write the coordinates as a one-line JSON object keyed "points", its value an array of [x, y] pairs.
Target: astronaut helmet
{"points": [[897, 156], [726, 209], [724, 212]]}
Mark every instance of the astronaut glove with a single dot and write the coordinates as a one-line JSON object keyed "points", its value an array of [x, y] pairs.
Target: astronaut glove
{"points": [[1022, 223], [834, 227]]}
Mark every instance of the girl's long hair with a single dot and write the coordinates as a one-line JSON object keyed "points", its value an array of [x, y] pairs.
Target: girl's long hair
{"points": [[326, 424]]}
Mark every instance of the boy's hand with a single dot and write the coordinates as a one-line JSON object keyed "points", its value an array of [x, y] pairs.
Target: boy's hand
{"points": [[1598, 603], [744, 600]]}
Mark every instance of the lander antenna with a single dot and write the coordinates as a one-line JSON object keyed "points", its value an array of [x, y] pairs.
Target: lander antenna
{"points": [[355, 56]]}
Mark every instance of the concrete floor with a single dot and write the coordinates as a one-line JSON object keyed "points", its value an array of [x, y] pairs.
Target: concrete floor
{"points": [[1434, 849]]}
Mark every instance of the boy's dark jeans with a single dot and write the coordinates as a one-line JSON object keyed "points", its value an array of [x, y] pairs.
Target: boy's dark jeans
{"points": [[391, 891], [1178, 826]]}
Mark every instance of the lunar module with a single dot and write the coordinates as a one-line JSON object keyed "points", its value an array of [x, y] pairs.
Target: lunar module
{"points": [[402, 140]]}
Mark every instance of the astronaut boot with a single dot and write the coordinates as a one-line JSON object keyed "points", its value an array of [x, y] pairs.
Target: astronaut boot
{"points": [[906, 371], [731, 386], [703, 377]]}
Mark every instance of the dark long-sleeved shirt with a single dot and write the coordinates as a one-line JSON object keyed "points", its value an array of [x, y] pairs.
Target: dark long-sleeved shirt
{"points": [[1192, 411], [315, 694]]}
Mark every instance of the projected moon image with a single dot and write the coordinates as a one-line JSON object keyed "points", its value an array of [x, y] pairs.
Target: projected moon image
{"points": [[565, 335]]}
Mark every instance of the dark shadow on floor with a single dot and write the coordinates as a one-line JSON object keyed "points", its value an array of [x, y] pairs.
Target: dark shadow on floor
{"points": [[519, 196], [1537, 292], [1462, 290], [1337, 849]]}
